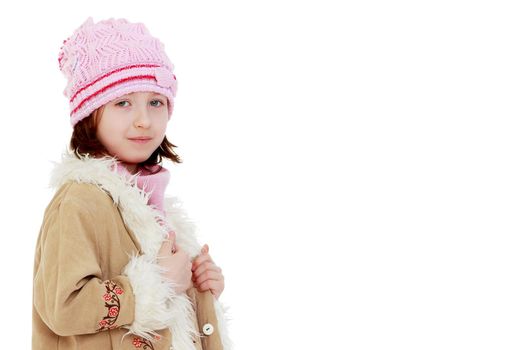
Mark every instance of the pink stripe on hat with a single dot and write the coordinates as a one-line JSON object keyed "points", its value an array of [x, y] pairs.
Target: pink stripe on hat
{"points": [[112, 72]]}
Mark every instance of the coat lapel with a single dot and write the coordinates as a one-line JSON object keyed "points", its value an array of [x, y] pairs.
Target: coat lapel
{"points": [[143, 220]]}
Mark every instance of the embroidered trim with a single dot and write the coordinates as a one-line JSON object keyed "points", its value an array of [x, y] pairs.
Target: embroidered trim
{"points": [[145, 344], [112, 303]]}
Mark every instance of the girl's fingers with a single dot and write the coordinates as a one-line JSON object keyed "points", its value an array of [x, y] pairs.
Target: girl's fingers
{"points": [[209, 276], [207, 272], [211, 285], [201, 259], [167, 246]]}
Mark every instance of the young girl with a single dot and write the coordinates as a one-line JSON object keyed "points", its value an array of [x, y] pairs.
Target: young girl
{"points": [[118, 265]]}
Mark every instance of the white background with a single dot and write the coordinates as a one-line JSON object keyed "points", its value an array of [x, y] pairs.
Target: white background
{"points": [[357, 168]]}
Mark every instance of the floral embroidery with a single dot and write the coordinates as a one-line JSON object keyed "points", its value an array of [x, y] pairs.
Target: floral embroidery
{"points": [[112, 303], [139, 342]]}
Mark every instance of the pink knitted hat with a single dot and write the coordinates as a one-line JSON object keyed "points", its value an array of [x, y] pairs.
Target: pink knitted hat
{"points": [[105, 60]]}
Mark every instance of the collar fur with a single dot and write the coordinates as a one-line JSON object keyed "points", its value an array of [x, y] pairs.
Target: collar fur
{"points": [[132, 201]]}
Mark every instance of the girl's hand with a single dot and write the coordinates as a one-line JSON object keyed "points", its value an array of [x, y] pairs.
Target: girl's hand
{"points": [[176, 263], [207, 275]]}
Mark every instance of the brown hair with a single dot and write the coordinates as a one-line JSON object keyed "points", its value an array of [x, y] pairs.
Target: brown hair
{"points": [[84, 141]]}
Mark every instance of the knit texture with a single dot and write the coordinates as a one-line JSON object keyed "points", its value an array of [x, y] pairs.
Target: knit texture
{"points": [[105, 60], [155, 183]]}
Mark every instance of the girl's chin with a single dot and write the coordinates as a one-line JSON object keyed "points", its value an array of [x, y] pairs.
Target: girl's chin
{"points": [[134, 159]]}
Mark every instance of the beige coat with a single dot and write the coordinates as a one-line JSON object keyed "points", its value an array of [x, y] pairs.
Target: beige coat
{"points": [[96, 281]]}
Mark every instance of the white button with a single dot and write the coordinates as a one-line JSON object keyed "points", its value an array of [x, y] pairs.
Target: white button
{"points": [[207, 329]]}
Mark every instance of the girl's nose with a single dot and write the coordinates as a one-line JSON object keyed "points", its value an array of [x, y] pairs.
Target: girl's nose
{"points": [[142, 119]]}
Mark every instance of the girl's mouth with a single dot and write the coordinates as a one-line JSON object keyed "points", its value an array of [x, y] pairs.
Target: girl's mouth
{"points": [[141, 140]]}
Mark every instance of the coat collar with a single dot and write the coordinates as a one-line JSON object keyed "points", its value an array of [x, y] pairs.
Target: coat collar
{"points": [[132, 201]]}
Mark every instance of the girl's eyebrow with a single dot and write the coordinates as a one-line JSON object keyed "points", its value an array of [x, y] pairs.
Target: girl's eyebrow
{"points": [[156, 94]]}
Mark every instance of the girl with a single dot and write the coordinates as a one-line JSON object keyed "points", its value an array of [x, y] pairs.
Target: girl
{"points": [[117, 265]]}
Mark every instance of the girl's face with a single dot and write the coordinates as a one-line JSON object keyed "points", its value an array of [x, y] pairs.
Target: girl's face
{"points": [[135, 115]]}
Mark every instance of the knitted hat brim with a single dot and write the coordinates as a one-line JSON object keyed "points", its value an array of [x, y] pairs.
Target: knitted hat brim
{"points": [[122, 81]]}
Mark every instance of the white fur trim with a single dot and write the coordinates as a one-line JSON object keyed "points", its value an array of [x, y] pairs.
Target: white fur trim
{"points": [[184, 332], [184, 228], [141, 218], [157, 306], [151, 292]]}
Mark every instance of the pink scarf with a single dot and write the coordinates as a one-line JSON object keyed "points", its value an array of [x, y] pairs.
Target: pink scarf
{"points": [[150, 181]]}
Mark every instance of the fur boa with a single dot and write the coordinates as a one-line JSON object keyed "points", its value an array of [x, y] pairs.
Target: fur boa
{"points": [[157, 306]]}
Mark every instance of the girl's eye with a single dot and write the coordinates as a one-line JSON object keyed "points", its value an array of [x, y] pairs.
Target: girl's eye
{"points": [[155, 103], [160, 103]]}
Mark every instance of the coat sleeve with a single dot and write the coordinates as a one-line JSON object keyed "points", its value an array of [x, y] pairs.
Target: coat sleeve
{"points": [[70, 294]]}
